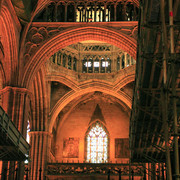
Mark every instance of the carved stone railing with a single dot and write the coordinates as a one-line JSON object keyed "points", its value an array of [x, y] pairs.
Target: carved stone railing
{"points": [[58, 169]]}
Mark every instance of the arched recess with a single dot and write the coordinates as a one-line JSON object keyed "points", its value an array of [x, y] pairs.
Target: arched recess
{"points": [[72, 36], [72, 95], [9, 33]]}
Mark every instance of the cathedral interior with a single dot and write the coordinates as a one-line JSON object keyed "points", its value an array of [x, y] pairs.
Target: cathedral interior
{"points": [[89, 89]]}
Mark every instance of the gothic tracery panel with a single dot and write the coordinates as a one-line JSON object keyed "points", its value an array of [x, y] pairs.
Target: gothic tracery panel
{"points": [[97, 144]]}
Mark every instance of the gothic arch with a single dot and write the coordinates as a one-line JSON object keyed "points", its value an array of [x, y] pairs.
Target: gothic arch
{"points": [[9, 39], [72, 36], [72, 95]]}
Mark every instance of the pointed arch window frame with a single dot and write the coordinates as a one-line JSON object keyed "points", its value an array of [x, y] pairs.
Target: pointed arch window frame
{"points": [[93, 124]]}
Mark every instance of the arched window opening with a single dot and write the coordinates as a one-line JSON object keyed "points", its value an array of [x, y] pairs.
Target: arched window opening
{"points": [[74, 64], [130, 12], [71, 13], [119, 12], [60, 13], [51, 13], [69, 62], [97, 143]]}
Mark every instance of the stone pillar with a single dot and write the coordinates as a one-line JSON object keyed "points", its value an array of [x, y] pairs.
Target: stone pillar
{"points": [[125, 60], [115, 11], [39, 153], [66, 66], [15, 102], [65, 15], [104, 15], [61, 59], [130, 61], [72, 62], [56, 54], [85, 14], [120, 62], [95, 13], [79, 61], [113, 60]]}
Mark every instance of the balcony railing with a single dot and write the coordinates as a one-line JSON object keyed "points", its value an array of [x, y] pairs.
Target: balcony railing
{"points": [[13, 145], [101, 169]]}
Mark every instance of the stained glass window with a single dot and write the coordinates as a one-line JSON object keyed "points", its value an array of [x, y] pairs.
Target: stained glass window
{"points": [[97, 144]]}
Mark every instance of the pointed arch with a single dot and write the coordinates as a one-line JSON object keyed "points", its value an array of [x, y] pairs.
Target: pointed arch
{"points": [[97, 143], [73, 36]]}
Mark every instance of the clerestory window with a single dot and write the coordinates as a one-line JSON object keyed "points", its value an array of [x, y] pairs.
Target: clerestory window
{"points": [[97, 143]]}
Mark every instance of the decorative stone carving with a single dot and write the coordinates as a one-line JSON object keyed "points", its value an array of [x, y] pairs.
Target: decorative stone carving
{"points": [[92, 168], [39, 33]]}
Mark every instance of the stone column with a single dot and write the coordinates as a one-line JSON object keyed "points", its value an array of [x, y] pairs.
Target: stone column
{"points": [[56, 54], [120, 62], [66, 66], [125, 60], [61, 59], [15, 102], [113, 60], [40, 150], [104, 15], [115, 11], [65, 15], [72, 62], [95, 13], [130, 63]]}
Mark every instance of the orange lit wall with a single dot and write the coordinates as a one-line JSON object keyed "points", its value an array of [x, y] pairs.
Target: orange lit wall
{"points": [[77, 123]]}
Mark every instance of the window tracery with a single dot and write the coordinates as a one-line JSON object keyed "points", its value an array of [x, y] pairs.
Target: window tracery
{"points": [[97, 144], [89, 58]]}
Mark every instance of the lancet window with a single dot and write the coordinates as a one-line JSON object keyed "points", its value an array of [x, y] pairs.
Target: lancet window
{"points": [[97, 143]]}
